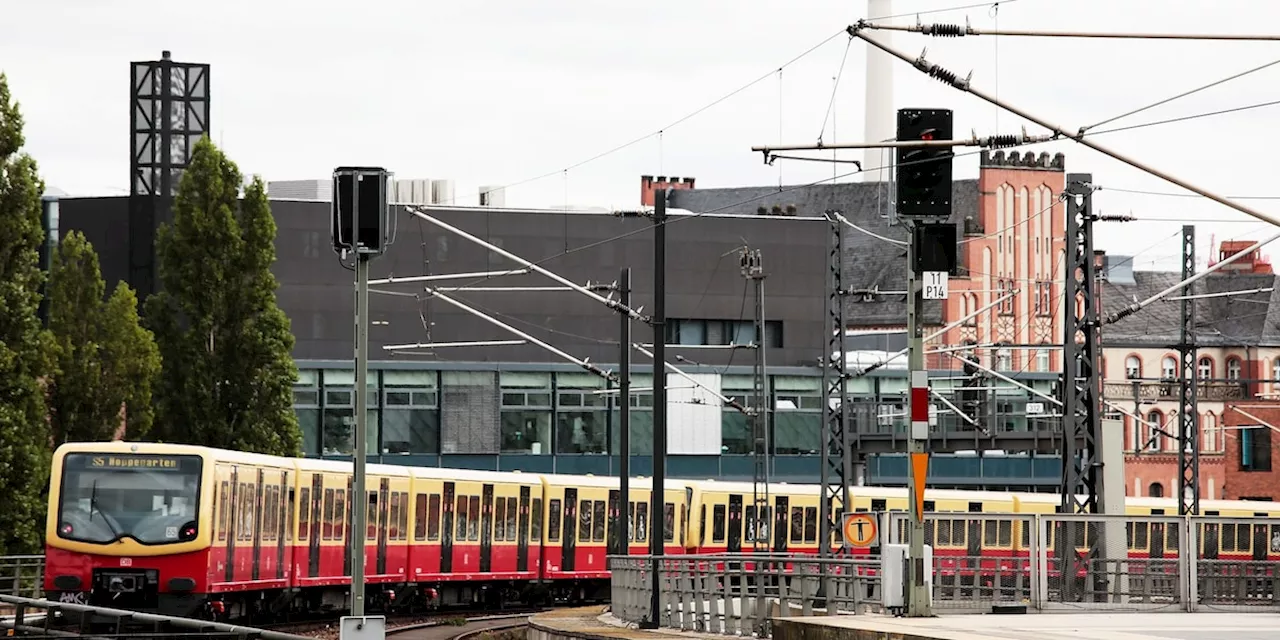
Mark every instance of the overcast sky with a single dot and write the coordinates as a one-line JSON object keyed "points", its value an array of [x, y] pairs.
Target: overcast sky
{"points": [[487, 92]]}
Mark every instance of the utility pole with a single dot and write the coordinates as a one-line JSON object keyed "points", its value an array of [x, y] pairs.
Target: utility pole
{"points": [[924, 202], [624, 413], [762, 444], [1188, 404], [359, 225], [657, 511]]}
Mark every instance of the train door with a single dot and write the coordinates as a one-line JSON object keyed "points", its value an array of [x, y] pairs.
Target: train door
{"points": [[522, 550], [384, 523], [1157, 536], [782, 506], [233, 525], [569, 532], [257, 524], [734, 524], [486, 529], [1209, 535], [1261, 543], [973, 533], [313, 539], [613, 541], [446, 530], [284, 518], [346, 546]]}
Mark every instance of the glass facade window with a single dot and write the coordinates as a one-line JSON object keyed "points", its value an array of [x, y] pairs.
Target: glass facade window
{"points": [[306, 404], [582, 414], [526, 412], [339, 412], [410, 412], [641, 416], [797, 415], [735, 426]]}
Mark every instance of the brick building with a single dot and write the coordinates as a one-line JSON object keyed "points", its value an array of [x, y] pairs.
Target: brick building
{"points": [[1251, 448], [1238, 360]]}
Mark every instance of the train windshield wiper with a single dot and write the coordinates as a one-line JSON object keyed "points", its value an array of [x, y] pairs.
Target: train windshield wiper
{"points": [[93, 506]]}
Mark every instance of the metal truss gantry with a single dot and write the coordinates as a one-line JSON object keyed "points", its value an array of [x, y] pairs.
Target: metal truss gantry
{"points": [[168, 114], [1081, 348], [1188, 409], [837, 454]]}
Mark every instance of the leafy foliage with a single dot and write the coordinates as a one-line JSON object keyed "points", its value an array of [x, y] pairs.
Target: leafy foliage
{"points": [[106, 360], [24, 344], [226, 346]]}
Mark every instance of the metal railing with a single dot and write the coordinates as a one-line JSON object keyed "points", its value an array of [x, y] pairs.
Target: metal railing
{"points": [[737, 594], [46, 619], [22, 576], [1045, 562]]}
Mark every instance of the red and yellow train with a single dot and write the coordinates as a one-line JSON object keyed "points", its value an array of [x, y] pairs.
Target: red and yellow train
{"points": [[197, 531]]}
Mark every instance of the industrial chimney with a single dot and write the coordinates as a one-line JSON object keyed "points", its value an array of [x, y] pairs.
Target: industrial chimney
{"points": [[880, 117]]}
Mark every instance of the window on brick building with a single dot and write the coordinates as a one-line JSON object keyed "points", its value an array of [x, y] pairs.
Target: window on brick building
{"points": [[1204, 368], [1150, 440], [1233, 369], [1169, 368], [1042, 359], [1132, 367], [1275, 371], [1255, 449], [1156, 490], [1212, 433]]}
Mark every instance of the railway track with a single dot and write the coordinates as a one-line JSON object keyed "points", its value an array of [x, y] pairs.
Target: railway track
{"points": [[459, 625]]}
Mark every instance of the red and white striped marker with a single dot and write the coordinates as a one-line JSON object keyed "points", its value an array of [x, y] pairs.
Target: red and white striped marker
{"points": [[919, 405]]}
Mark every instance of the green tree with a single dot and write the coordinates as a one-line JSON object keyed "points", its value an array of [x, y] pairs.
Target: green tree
{"points": [[24, 344], [228, 369], [106, 360]]}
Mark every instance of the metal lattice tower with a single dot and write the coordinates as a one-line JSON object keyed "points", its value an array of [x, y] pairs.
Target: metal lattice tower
{"points": [[837, 461], [762, 446], [1081, 388], [1188, 410], [169, 113]]}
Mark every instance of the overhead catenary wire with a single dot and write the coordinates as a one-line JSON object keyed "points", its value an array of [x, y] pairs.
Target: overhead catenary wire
{"points": [[1183, 94], [943, 30], [949, 78]]}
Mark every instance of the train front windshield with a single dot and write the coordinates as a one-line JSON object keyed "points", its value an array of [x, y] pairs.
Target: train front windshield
{"points": [[153, 499]]}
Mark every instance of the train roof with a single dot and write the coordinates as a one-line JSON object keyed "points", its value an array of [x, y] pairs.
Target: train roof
{"points": [[476, 475], [610, 482]]}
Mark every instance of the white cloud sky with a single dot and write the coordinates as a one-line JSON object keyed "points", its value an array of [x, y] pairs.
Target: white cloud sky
{"points": [[498, 92]]}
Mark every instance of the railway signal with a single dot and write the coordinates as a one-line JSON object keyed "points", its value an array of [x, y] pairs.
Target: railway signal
{"points": [[360, 213]]}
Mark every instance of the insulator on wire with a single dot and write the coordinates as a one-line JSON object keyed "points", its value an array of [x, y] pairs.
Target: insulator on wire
{"points": [[1003, 140], [943, 75], [943, 30]]}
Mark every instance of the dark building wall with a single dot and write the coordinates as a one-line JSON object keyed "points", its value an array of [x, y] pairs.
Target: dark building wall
{"points": [[703, 276], [105, 224]]}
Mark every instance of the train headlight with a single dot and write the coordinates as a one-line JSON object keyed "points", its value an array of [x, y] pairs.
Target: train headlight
{"points": [[65, 529], [188, 531]]}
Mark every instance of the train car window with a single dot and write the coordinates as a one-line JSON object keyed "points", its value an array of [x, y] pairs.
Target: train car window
{"points": [[513, 529], [290, 511], [1006, 533], [598, 527], [535, 520], [433, 517], [403, 522], [420, 516], [684, 523], [553, 525], [1229, 537], [270, 514], [810, 524], [797, 524], [304, 514], [461, 518], [249, 497], [340, 515], [1171, 536], [990, 532], [749, 523], [393, 520], [702, 525], [642, 522], [1243, 540], [718, 516], [473, 527], [668, 522], [499, 523], [328, 515], [223, 503], [1026, 526], [584, 515], [371, 517]]}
